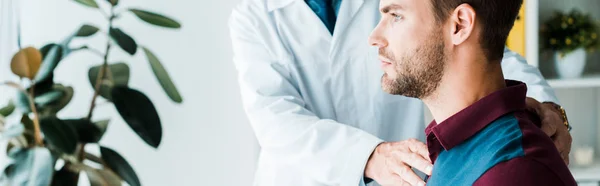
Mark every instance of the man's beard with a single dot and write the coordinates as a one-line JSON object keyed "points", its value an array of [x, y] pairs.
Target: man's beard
{"points": [[419, 72]]}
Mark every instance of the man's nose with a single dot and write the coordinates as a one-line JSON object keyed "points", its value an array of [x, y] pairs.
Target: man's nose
{"points": [[376, 39]]}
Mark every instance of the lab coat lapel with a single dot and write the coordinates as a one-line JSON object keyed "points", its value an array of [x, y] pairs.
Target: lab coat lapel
{"points": [[276, 4], [348, 9], [298, 15]]}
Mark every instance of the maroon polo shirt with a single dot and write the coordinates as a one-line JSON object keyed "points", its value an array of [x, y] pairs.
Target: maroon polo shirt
{"points": [[495, 141]]}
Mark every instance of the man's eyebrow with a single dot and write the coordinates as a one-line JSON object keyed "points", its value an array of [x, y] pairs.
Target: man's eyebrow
{"points": [[387, 8]]}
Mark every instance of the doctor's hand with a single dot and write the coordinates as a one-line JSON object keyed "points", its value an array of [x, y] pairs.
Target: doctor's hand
{"points": [[391, 162], [553, 125]]}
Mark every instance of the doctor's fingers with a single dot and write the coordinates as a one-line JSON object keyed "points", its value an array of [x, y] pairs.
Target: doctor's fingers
{"points": [[418, 147], [413, 160], [406, 174]]}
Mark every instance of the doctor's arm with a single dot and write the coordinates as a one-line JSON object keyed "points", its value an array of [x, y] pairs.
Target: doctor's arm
{"points": [[288, 133], [515, 67], [292, 136]]}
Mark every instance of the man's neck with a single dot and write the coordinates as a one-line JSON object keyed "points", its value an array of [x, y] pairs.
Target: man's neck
{"points": [[462, 85]]}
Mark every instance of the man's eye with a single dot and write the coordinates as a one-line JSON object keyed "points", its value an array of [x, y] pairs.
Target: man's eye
{"points": [[397, 17]]}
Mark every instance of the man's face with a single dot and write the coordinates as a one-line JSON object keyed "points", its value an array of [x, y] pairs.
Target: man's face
{"points": [[411, 48]]}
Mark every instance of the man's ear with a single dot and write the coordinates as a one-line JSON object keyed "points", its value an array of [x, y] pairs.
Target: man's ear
{"points": [[463, 23]]}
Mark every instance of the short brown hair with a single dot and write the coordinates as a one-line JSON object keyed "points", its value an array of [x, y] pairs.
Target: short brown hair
{"points": [[497, 16]]}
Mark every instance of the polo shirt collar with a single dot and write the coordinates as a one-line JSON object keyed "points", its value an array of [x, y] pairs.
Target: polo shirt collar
{"points": [[466, 123]]}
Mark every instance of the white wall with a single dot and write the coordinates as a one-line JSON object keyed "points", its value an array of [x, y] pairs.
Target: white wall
{"points": [[207, 140]]}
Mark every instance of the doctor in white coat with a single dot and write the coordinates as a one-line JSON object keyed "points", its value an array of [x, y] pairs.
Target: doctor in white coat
{"points": [[312, 93]]}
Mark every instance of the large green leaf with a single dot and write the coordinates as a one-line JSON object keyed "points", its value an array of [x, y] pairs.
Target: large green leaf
{"points": [[49, 63], [123, 40], [103, 177], [47, 98], [27, 123], [53, 107], [113, 2], [163, 76], [155, 19], [118, 164], [64, 101], [44, 86], [8, 109], [64, 46], [86, 30], [102, 125], [119, 73], [98, 177], [22, 103], [59, 135], [46, 49], [89, 3], [87, 131], [32, 167], [64, 177], [139, 113]]}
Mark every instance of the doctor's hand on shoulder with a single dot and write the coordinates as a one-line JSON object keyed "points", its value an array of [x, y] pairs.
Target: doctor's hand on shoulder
{"points": [[391, 162], [555, 124]]}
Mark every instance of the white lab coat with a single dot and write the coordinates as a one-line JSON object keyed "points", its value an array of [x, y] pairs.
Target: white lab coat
{"points": [[315, 101]]}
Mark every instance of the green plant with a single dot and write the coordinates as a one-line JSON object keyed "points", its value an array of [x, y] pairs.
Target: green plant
{"points": [[42, 138], [565, 33]]}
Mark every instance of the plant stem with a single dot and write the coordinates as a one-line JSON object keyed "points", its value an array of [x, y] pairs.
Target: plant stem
{"points": [[102, 72], [37, 134], [109, 76], [99, 79], [96, 159], [97, 52], [104, 13], [36, 122], [94, 51], [99, 82]]}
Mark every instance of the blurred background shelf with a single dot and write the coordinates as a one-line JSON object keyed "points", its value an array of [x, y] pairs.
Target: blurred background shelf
{"points": [[587, 81], [580, 96], [588, 174]]}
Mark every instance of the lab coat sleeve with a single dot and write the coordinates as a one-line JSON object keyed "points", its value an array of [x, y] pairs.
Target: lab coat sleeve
{"points": [[289, 134], [515, 67]]}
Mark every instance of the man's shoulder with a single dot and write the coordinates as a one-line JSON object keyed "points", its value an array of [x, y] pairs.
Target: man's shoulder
{"points": [[497, 142], [524, 171], [502, 136], [516, 134], [516, 147]]}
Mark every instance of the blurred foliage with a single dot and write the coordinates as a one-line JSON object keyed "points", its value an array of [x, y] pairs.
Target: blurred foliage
{"points": [[566, 32], [42, 138]]}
